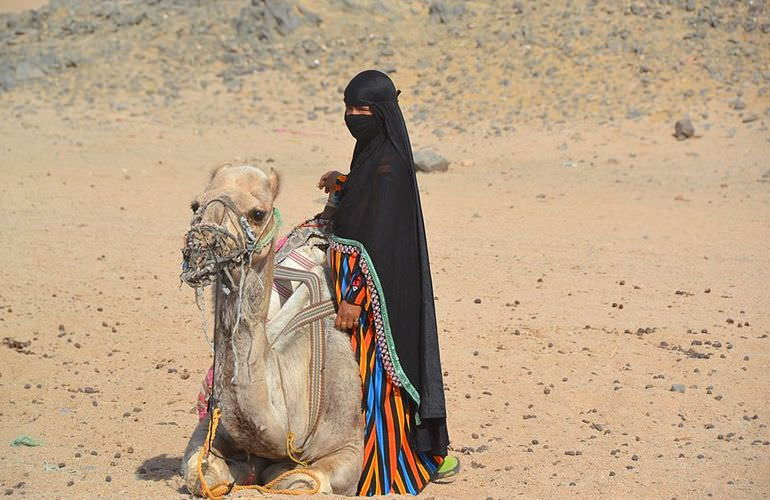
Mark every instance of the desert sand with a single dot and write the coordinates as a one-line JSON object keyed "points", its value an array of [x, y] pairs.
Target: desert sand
{"points": [[601, 287]]}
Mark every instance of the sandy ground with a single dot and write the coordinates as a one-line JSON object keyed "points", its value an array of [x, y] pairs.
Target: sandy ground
{"points": [[20, 5], [580, 272]]}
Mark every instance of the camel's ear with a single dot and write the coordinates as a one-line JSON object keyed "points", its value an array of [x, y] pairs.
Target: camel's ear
{"points": [[218, 169], [275, 182]]}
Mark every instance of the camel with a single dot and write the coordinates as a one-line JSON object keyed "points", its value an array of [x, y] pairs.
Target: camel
{"points": [[261, 371]]}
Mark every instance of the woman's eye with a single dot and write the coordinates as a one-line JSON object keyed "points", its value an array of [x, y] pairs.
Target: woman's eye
{"points": [[257, 215], [194, 206]]}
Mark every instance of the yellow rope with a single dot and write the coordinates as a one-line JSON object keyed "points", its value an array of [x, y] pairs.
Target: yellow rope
{"points": [[219, 491], [292, 451]]}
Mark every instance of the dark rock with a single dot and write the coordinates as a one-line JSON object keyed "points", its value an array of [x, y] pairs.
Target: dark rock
{"points": [[429, 161], [281, 15], [683, 129], [261, 19], [737, 104], [445, 12], [677, 388]]}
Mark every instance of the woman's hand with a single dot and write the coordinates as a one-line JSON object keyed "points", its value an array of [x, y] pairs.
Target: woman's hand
{"points": [[328, 181], [347, 316]]}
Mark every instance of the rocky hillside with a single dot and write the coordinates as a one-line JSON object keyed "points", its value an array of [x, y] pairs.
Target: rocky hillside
{"points": [[486, 66]]}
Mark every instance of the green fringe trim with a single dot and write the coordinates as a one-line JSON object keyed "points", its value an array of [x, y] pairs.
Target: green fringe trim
{"points": [[405, 382]]}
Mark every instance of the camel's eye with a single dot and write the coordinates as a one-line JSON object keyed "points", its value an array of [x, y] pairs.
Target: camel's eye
{"points": [[195, 206], [257, 215]]}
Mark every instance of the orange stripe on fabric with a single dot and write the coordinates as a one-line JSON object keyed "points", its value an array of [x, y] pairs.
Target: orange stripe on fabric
{"points": [[338, 281], [424, 474], [378, 487], [370, 445], [407, 449], [400, 487], [367, 482], [366, 361]]}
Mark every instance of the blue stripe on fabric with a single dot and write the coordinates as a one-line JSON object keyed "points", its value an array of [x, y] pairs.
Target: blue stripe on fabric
{"points": [[344, 276], [429, 462], [381, 439], [369, 405], [405, 473]]}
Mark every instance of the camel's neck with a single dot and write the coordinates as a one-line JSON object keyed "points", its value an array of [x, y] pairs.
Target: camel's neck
{"points": [[241, 316]]}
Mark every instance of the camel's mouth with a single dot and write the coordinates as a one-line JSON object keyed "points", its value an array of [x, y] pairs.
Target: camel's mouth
{"points": [[211, 248]]}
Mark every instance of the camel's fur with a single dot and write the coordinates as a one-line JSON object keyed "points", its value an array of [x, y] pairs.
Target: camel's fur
{"points": [[269, 397]]}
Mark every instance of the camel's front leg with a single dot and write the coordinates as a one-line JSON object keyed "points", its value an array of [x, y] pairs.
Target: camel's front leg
{"points": [[338, 472], [215, 469]]}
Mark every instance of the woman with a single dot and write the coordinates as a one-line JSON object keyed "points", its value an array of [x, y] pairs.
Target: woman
{"points": [[379, 263]]}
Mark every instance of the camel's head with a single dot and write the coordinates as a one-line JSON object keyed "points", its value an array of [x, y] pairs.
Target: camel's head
{"points": [[233, 226]]}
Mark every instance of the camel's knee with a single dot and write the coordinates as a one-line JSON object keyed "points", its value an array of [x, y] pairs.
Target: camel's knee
{"points": [[298, 480], [214, 470], [341, 470]]}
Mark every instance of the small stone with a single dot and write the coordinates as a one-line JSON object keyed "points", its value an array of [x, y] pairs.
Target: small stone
{"points": [[678, 388], [683, 129], [477, 301]]}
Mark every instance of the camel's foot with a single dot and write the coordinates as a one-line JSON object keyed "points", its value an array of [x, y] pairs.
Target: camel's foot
{"points": [[297, 481], [215, 471]]}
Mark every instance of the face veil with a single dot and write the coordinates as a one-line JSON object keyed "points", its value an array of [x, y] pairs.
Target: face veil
{"points": [[379, 213]]}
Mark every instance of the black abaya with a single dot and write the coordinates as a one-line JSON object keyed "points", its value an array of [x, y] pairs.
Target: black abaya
{"points": [[379, 213]]}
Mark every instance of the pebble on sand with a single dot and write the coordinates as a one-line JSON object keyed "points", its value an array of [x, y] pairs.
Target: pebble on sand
{"points": [[683, 129], [677, 388]]}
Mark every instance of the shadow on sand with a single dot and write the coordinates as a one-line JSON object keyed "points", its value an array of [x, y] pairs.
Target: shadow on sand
{"points": [[159, 468]]}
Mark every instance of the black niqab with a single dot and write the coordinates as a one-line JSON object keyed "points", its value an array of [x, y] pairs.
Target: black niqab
{"points": [[380, 208]]}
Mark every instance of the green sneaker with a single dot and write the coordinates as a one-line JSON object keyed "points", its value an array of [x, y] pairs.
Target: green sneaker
{"points": [[448, 468]]}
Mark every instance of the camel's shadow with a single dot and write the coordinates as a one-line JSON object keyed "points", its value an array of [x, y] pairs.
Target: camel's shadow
{"points": [[159, 468]]}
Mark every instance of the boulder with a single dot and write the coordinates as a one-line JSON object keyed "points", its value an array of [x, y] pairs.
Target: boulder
{"points": [[429, 161]]}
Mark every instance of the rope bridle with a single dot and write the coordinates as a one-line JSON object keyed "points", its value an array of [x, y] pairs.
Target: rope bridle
{"points": [[201, 263]]}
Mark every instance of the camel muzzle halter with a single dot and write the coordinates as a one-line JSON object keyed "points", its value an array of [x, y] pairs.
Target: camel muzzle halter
{"points": [[210, 248]]}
